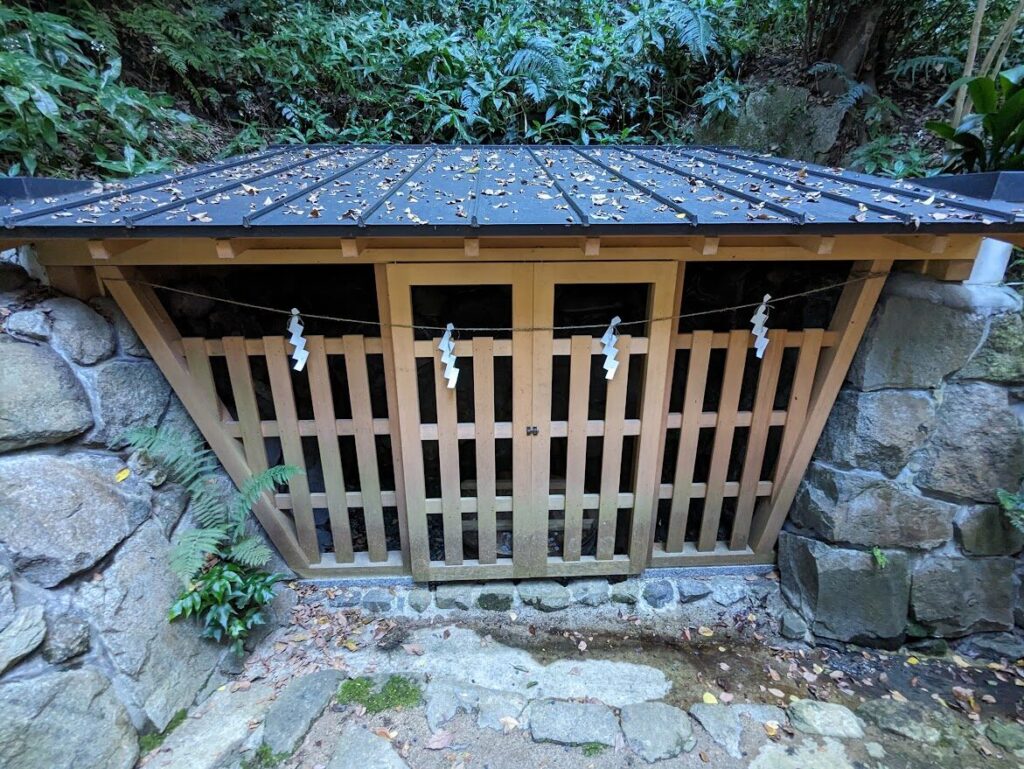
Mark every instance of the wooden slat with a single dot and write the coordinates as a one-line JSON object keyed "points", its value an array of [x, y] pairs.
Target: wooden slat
{"points": [[799, 398], [757, 438], [245, 402], [448, 454], [391, 389], [689, 434], [483, 418], [327, 442], [611, 454], [851, 317], [291, 443], [199, 368], [366, 446], [156, 330], [725, 430], [576, 450]]}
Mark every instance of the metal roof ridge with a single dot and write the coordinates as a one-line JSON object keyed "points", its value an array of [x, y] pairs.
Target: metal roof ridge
{"points": [[583, 216], [361, 219]]}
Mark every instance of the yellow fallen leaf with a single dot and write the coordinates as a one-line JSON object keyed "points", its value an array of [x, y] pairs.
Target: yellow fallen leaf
{"points": [[771, 728], [913, 661], [122, 474], [705, 631], [960, 662], [897, 696], [710, 699], [350, 645]]}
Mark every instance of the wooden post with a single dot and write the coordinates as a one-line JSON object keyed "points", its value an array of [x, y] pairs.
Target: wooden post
{"points": [[850, 320], [156, 330]]}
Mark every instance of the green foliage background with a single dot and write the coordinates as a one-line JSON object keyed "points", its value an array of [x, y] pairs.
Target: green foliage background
{"points": [[112, 88]]}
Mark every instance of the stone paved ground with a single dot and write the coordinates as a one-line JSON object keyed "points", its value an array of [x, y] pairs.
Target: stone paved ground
{"points": [[531, 688]]}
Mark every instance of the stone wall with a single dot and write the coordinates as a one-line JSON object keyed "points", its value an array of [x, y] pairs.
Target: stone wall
{"points": [[927, 428], [87, 657]]}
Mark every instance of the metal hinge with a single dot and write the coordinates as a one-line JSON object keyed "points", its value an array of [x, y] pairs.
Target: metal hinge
{"points": [[532, 430]]}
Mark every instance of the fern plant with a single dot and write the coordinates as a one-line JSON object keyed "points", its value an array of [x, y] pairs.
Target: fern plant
{"points": [[219, 560], [1013, 507]]}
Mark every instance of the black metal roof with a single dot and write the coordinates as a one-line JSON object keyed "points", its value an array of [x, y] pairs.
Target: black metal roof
{"points": [[333, 190]]}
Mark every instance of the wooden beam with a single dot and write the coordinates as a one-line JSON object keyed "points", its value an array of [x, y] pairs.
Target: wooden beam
{"points": [[852, 314], [929, 244], [79, 282], [821, 245], [156, 330], [950, 269]]}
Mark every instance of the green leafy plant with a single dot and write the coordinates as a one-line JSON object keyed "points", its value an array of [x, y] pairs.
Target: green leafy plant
{"points": [[219, 561], [1013, 507], [881, 559], [991, 138], [591, 749], [721, 99], [264, 758], [150, 742], [887, 155]]}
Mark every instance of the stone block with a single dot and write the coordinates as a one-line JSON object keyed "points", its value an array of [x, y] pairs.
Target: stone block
{"points": [[826, 719], [419, 599], [844, 593], [22, 636], [691, 590], [977, 445], [40, 398], [6, 597], [867, 509], [128, 394], [78, 331], [876, 430], [127, 340], [658, 593], [954, 596], [656, 731], [590, 592], [722, 724], [544, 595], [626, 592], [1001, 357], [67, 636], [900, 346], [62, 514], [67, 720], [986, 530], [573, 723], [30, 324], [496, 596], [359, 747], [454, 596], [296, 708], [792, 625], [377, 600], [159, 666]]}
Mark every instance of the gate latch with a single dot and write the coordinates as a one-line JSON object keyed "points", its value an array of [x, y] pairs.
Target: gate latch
{"points": [[532, 430]]}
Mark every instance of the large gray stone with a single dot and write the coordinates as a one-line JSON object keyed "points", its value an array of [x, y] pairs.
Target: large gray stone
{"points": [[1006, 735], [128, 394], [128, 341], [658, 593], [419, 599], [691, 590], [808, 754], [954, 596], [62, 514], [844, 593], [826, 719], [656, 731], [573, 723], [78, 331], [900, 346], [66, 720], [781, 119], [212, 734], [544, 595], [159, 666], [41, 401], [29, 324], [626, 592], [444, 698], [590, 592], [1001, 357], [977, 445], [876, 430], [297, 707], [377, 600], [358, 747], [868, 509], [6, 597], [792, 625], [986, 530], [67, 636], [901, 718], [722, 724], [21, 636]]}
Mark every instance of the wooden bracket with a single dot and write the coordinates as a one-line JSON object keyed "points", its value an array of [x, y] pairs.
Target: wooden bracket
{"points": [[592, 247], [104, 250], [929, 244], [471, 246], [816, 244], [226, 249], [707, 246], [349, 248]]}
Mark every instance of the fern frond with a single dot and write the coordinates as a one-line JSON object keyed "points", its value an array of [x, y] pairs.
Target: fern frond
{"points": [[190, 551], [923, 65], [693, 29], [250, 552], [541, 65], [854, 94], [253, 488]]}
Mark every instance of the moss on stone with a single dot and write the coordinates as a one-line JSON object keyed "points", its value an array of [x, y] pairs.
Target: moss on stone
{"points": [[150, 742], [397, 692], [591, 749], [264, 758]]}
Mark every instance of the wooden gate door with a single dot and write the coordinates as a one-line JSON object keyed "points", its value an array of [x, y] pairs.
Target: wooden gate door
{"points": [[509, 474]]}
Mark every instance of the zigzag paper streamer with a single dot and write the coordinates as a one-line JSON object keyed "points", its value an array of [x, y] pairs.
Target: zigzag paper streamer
{"points": [[296, 328], [609, 350], [759, 331], [448, 358]]}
